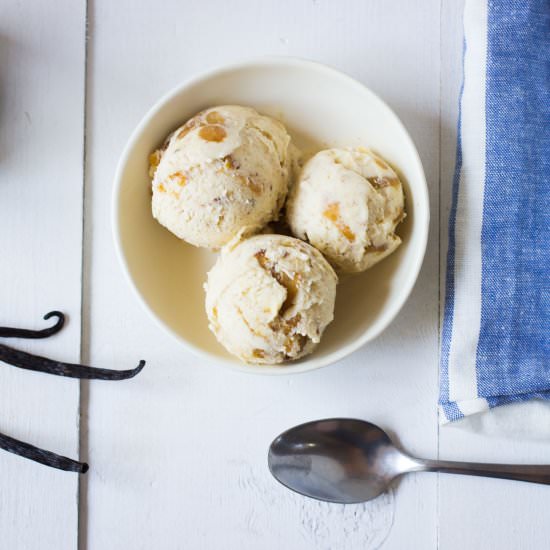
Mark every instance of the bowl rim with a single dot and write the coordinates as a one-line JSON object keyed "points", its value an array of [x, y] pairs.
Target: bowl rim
{"points": [[416, 261]]}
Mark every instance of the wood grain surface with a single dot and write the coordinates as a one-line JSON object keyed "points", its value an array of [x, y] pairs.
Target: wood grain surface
{"points": [[41, 157]]}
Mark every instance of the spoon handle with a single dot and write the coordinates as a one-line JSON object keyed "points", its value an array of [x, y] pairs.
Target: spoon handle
{"points": [[532, 473]]}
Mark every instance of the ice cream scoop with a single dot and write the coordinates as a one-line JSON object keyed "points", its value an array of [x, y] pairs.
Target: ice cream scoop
{"points": [[225, 169], [347, 203], [269, 298]]}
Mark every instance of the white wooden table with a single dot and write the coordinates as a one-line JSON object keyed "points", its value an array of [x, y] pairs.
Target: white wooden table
{"points": [[178, 455]]}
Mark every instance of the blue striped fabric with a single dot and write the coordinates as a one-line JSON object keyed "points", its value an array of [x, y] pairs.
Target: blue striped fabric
{"points": [[511, 348], [449, 408]]}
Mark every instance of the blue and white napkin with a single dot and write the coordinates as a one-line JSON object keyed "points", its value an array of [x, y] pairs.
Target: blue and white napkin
{"points": [[495, 343]]}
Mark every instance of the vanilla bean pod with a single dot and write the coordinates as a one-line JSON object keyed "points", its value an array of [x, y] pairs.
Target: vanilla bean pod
{"points": [[28, 361], [37, 363], [9, 332], [40, 455]]}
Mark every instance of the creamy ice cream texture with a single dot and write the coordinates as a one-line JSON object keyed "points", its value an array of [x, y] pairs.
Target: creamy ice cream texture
{"points": [[347, 203], [269, 298], [226, 169]]}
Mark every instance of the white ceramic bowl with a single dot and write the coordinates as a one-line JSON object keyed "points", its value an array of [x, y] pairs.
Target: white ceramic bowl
{"points": [[321, 108]]}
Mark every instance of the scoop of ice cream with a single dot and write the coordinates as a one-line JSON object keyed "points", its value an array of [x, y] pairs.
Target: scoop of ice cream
{"points": [[269, 298], [347, 203], [225, 169]]}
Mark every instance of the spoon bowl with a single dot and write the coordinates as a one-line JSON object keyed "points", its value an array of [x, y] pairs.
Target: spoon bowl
{"points": [[348, 461], [337, 460]]}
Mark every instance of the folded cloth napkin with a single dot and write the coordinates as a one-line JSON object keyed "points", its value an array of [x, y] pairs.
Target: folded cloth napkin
{"points": [[495, 342]]}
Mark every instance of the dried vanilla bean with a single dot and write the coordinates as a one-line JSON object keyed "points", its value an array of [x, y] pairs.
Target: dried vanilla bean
{"points": [[9, 332], [28, 361], [40, 455], [37, 363]]}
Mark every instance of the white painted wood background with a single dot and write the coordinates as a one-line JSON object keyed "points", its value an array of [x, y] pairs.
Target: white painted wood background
{"points": [[178, 455]]}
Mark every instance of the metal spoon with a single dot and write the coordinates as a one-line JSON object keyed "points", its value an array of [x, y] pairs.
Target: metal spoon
{"points": [[348, 461]]}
